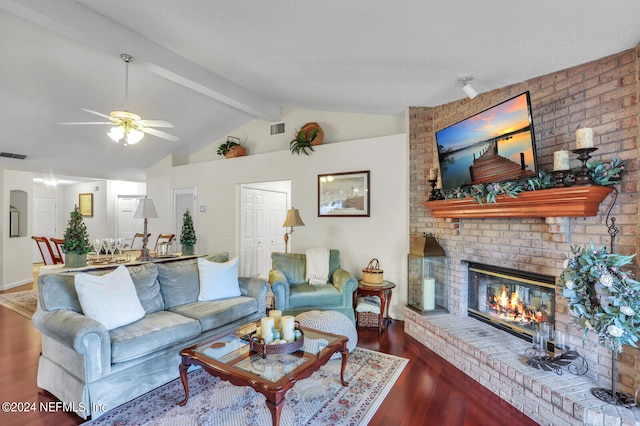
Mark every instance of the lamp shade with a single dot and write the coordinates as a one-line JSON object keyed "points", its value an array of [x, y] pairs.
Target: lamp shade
{"points": [[145, 209], [134, 136], [293, 218]]}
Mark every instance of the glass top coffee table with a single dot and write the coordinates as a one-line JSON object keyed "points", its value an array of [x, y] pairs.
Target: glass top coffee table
{"points": [[228, 357]]}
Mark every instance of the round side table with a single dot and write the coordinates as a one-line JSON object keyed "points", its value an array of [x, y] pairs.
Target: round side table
{"points": [[383, 291]]}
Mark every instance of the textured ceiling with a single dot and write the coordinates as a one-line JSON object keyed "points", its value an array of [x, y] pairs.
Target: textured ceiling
{"points": [[211, 66]]}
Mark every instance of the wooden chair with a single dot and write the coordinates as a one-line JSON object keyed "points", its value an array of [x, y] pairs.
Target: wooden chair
{"points": [[57, 243], [141, 236], [164, 238], [45, 250]]}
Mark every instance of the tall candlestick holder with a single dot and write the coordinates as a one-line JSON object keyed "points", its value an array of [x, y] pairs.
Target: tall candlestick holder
{"points": [[432, 195], [582, 176]]}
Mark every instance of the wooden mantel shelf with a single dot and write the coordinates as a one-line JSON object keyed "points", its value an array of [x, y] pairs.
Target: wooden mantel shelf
{"points": [[572, 201]]}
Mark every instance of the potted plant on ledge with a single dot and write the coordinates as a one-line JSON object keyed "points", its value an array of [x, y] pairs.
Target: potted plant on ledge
{"points": [[309, 135], [76, 241], [188, 235], [232, 148]]}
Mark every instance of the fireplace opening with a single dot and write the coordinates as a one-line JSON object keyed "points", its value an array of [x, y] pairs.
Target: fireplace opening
{"points": [[509, 299]]}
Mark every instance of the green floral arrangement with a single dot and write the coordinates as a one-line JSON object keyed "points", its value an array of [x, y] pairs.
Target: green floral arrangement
{"points": [[601, 173], [602, 298], [76, 237], [188, 234]]}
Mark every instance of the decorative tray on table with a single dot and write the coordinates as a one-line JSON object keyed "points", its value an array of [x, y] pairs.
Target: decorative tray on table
{"points": [[258, 346]]}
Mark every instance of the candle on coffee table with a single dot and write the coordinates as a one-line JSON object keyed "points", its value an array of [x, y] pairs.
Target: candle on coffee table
{"points": [[287, 322]]}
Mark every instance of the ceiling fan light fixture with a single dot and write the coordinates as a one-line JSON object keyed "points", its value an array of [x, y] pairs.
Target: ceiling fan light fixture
{"points": [[134, 136], [116, 133]]}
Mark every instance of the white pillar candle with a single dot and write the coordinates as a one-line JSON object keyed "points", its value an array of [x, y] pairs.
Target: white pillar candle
{"points": [[266, 325], [276, 315], [584, 138], [433, 174], [561, 160], [287, 328], [429, 294]]}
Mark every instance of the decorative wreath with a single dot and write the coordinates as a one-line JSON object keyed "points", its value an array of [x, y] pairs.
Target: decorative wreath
{"points": [[602, 297]]}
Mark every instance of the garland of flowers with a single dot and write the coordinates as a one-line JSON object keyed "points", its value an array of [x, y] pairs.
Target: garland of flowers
{"points": [[602, 298], [601, 173]]}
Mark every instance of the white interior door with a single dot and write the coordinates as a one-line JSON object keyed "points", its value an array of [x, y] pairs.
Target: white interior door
{"points": [[183, 199], [261, 218], [127, 226], [44, 221]]}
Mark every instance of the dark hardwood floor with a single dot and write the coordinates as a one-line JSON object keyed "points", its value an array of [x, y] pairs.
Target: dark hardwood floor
{"points": [[430, 391]]}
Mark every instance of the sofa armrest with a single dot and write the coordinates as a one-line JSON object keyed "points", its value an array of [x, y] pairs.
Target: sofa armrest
{"points": [[77, 332], [257, 288], [346, 284], [280, 288]]}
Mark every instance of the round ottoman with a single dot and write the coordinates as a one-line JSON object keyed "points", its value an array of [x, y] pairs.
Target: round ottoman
{"points": [[331, 322]]}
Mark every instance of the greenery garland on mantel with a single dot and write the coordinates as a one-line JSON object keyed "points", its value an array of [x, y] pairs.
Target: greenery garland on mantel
{"points": [[602, 173]]}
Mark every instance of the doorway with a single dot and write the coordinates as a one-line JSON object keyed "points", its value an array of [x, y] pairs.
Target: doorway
{"points": [[126, 225], [45, 212], [263, 209]]}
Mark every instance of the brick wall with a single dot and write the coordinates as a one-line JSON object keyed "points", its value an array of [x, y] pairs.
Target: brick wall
{"points": [[602, 94]]}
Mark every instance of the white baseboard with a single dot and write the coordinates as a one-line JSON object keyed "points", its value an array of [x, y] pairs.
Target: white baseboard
{"points": [[15, 284]]}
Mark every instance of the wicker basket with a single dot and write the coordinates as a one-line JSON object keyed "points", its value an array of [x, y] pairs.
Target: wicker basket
{"points": [[372, 274], [368, 319], [309, 128]]}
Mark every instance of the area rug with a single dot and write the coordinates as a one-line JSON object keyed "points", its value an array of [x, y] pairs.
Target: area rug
{"points": [[319, 400], [22, 302]]}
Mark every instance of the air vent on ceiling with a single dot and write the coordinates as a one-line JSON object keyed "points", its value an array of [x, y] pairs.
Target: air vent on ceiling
{"points": [[11, 155], [277, 129]]}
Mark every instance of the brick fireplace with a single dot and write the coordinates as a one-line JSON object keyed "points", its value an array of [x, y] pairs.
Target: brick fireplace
{"points": [[602, 94]]}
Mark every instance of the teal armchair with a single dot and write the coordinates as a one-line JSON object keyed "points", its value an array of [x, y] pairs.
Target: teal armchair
{"points": [[294, 295]]}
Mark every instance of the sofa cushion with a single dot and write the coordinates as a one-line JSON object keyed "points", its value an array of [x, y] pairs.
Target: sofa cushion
{"points": [[179, 282], [145, 278], [304, 295], [57, 291], [110, 299], [152, 333], [218, 280], [218, 313]]}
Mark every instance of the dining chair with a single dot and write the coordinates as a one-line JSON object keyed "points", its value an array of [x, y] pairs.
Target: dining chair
{"points": [[164, 238], [57, 243], [139, 235], [45, 250]]}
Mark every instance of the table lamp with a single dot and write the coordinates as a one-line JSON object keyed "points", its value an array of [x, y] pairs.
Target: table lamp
{"points": [[293, 219], [145, 210]]}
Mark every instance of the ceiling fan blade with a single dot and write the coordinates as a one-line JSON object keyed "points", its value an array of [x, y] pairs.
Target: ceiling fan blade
{"points": [[154, 123], [89, 122], [160, 134], [99, 114]]}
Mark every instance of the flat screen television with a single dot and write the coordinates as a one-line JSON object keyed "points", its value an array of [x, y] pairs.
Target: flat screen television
{"points": [[497, 144]]}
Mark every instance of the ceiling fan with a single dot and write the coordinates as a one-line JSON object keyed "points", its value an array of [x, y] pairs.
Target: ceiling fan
{"points": [[127, 125]]}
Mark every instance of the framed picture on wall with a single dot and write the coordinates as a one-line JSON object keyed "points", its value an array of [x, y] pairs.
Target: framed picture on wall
{"points": [[344, 194], [85, 202]]}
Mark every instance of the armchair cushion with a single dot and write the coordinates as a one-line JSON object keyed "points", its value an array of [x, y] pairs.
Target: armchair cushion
{"points": [[314, 296]]}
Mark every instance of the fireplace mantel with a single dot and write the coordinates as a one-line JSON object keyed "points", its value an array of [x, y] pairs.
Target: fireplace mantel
{"points": [[573, 201]]}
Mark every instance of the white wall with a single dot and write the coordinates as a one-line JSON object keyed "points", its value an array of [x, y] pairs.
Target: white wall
{"points": [[337, 127], [383, 235], [17, 264]]}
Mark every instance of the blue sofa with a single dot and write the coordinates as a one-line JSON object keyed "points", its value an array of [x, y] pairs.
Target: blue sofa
{"points": [[94, 370]]}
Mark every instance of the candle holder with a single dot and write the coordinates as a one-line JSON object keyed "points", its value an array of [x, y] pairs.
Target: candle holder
{"points": [[434, 194], [582, 176], [560, 176]]}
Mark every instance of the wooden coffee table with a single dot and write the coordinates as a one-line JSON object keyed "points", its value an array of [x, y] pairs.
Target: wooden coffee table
{"points": [[228, 358]]}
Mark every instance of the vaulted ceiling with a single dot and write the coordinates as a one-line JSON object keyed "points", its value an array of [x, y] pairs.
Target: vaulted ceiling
{"points": [[209, 67]]}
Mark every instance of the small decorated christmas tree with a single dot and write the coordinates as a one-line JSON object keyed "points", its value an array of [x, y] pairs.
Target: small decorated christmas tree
{"points": [[76, 240], [188, 235]]}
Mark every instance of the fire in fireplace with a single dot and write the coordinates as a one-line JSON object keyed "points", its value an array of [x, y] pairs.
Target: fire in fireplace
{"points": [[515, 301]]}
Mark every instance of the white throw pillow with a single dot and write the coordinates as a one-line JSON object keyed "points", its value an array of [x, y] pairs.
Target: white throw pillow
{"points": [[110, 299], [218, 280]]}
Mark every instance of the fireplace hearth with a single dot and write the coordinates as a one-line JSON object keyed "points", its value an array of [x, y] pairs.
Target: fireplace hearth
{"points": [[511, 300]]}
